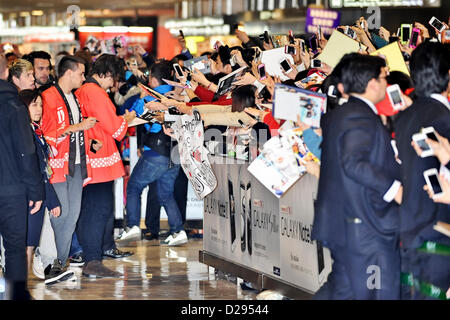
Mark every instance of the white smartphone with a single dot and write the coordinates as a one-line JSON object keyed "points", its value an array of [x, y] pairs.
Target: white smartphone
{"points": [[419, 139], [395, 96], [290, 50], [332, 92], [233, 60], [178, 70], [430, 133], [362, 24], [319, 33], [435, 23], [432, 178], [285, 65]]}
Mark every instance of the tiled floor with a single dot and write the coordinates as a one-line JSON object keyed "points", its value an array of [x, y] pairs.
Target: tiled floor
{"points": [[152, 273]]}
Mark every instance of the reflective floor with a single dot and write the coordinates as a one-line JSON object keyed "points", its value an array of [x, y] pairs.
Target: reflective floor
{"points": [[152, 273]]}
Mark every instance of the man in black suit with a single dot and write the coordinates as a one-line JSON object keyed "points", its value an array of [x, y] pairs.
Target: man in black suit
{"points": [[356, 216], [429, 64]]}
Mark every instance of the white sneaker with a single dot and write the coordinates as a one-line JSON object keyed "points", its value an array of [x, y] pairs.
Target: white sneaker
{"points": [[133, 233], [176, 239], [38, 267]]}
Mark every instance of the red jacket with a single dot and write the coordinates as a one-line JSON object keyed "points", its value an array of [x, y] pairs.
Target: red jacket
{"points": [[55, 120], [106, 164], [206, 96]]}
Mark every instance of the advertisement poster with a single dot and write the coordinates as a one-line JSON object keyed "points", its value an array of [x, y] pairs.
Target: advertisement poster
{"points": [[304, 262], [264, 234], [246, 224], [215, 235], [244, 217]]}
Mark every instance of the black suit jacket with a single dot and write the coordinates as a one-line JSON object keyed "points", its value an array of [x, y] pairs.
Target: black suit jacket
{"points": [[418, 212], [358, 168]]}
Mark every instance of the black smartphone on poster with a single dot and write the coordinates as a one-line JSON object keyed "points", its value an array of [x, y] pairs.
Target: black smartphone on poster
{"points": [[249, 218], [244, 208], [232, 212]]}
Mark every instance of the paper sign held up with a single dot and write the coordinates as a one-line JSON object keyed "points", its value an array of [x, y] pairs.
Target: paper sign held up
{"points": [[394, 57], [337, 46]]}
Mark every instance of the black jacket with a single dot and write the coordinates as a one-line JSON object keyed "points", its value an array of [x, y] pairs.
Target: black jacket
{"points": [[358, 168], [418, 213], [19, 168], [51, 198]]}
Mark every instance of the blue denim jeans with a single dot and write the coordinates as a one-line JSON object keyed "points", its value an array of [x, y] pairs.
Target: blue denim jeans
{"points": [[75, 247], [147, 170]]}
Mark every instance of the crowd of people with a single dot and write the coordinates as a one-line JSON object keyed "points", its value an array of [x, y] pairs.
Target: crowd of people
{"points": [[66, 124]]}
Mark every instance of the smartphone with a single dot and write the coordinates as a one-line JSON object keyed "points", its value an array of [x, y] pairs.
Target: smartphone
{"points": [[92, 146], [316, 63], [262, 71], [414, 38], [362, 25], [181, 33], [395, 96], [446, 36], [239, 27], [178, 70], [435, 23], [393, 39], [405, 33], [174, 111], [290, 50], [398, 33], [217, 45], [249, 218], [291, 37], [303, 45], [244, 207], [233, 61], [232, 211], [419, 139], [285, 65], [432, 178], [266, 37], [257, 56], [350, 32], [313, 44], [332, 91], [430, 133]]}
